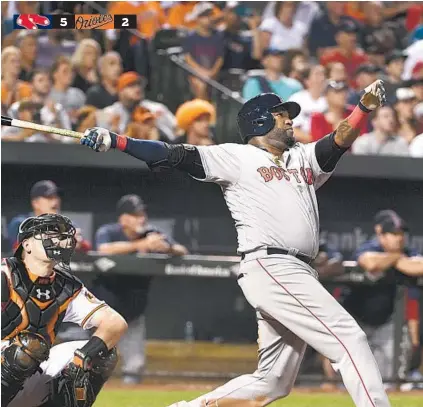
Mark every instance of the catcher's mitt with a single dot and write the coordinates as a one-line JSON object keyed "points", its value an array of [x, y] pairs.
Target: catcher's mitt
{"points": [[73, 386]]}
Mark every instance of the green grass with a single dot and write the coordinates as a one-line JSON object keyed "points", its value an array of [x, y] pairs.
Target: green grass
{"points": [[149, 398]]}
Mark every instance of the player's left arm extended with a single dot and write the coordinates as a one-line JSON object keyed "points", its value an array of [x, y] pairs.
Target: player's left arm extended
{"points": [[156, 154], [348, 129]]}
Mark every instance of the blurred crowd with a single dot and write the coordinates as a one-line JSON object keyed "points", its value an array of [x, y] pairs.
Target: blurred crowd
{"points": [[320, 54]]}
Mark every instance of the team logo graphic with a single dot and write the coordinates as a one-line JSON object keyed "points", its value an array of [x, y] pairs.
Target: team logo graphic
{"points": [[43, 295], [90, 297], [31, 21]]}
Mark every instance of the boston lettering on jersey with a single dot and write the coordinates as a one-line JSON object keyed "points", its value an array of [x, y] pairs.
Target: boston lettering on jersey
{"points": [[269, 173]]}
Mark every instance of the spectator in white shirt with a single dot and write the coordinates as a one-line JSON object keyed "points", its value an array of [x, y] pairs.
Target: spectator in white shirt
{"points": [[312, 100], [384, 139], [46, 111], [283, 31], [416, 146], [72, 99], [306, 11]]}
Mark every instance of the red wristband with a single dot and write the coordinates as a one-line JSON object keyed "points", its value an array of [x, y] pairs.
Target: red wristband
{"points": [[357, 118], [121, 142]]}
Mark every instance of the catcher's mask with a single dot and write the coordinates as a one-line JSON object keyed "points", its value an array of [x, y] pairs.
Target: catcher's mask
{"points": [[52, 230], [255, 117]]}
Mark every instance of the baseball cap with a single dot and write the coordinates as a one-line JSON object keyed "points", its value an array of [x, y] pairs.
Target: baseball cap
{"points": [[190, 111], [129, 78], [141, 114], [347, 26], [390, 221], [394, 55], [200, 9], [376, 49], [131, 204], [45, 189], [272, 51], [239, 9], [367, 68], [336, 85], [414, 82], [404, 94], [417, 69]]}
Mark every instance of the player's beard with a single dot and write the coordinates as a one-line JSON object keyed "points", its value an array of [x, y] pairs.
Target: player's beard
{"points": [[281, 138]]}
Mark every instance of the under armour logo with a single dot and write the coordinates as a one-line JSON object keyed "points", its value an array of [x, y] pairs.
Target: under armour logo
{"points": [[41, 294], [57, 252]]}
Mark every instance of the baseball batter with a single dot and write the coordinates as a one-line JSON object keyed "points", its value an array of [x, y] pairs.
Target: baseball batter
{"points": [[269, 184]]}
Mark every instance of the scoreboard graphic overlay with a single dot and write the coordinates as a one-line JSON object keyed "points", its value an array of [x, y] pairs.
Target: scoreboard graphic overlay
{"points": [[74, 21]]}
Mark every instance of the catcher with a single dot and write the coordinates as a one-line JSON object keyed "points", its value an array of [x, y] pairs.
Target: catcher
{"points": [[37, 294]]}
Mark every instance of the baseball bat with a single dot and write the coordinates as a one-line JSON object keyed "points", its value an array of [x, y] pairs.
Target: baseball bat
{"points": [[8, 121]]}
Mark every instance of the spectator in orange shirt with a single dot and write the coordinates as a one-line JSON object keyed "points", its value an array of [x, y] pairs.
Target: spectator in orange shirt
{"points": [[347, 51], [12, 89], [326, 122], [150, 15], [179, 15]]}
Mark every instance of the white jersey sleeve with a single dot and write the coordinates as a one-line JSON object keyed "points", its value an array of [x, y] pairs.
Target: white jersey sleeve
{"points": [[82, 308], [319, 176], [221, 163]]}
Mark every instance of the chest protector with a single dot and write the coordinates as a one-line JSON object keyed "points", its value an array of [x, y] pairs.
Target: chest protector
{"points": [[36, 304]]}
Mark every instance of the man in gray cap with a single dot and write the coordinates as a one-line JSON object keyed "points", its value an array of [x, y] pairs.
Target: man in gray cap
{"points": [[131, 234], [45, 198]]}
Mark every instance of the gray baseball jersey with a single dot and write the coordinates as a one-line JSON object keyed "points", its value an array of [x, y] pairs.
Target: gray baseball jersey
{"points": [[273, 202]]}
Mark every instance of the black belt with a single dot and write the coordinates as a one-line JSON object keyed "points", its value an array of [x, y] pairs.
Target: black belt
{"points": [[273, 250]]}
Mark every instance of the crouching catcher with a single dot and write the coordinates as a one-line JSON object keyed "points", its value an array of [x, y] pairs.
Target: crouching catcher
{"points": [[38, 294]]}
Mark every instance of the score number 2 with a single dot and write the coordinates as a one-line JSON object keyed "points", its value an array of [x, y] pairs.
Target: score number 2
{"points": [[127, 21]]}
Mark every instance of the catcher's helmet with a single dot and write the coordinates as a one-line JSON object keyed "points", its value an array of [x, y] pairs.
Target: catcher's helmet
{"points": [[51, 229], [255, 117]]}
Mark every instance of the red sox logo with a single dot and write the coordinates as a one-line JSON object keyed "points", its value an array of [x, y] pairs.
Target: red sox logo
{"points": [[32, 21], [269, 174]]}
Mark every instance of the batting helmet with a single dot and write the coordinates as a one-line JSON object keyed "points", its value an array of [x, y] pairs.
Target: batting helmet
{"points": [[255, 117]]}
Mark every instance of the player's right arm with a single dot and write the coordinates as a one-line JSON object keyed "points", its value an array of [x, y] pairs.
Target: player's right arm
{"points": [[219, 164]]}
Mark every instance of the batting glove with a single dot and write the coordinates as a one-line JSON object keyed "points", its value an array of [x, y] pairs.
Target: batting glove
{"points": [[374, 96], [97, 138]]}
